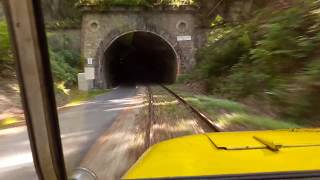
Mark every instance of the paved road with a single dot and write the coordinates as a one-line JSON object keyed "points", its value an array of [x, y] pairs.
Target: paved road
{"points": [[80, 127]]}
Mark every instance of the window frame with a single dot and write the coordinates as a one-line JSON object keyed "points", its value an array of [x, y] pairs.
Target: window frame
{"points": [[39, 103], [26, 28]]}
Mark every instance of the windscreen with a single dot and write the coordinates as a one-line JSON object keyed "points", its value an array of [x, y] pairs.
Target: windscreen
{"points": [[142, 87]]}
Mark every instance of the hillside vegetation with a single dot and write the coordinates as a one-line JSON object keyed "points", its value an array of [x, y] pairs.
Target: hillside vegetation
{"points": [[6, 56], [146, 3], [65, 63], [271, 59]]}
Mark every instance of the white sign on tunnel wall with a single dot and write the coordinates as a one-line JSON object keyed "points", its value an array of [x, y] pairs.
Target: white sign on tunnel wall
{"points": [[89, 73], [184, 38], [90, 61]]}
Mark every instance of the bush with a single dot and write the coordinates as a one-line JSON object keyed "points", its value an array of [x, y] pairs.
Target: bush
{"points": [[6, 55], [270, 57], [217, 58], [62, 71], [65, 62], [301, 97]]}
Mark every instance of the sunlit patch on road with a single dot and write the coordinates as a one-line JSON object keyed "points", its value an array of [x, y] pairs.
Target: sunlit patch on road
{"points": [[16, 160]]}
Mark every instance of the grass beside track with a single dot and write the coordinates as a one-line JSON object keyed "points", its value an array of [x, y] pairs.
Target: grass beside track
{"points": [[231, 115]]}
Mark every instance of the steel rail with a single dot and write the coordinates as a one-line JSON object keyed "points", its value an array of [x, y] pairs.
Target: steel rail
{"points": [[203, 117], [150, 117]]}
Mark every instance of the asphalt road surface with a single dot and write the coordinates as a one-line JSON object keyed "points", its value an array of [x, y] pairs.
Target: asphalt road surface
{"points": [[80, 127]]}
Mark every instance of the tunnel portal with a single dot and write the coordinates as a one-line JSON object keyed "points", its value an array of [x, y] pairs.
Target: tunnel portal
{"points": [[140, 58]]}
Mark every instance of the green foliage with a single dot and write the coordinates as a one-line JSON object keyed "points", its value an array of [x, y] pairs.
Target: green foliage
{"points": [[62, 71], [65, 62], [217, 21], [301, 97], [285, 39], [228, 113], [67, 23], [6, 55], [144, 3], [256, 121], [208, 104], [222, 53], [183, 78], [5, 52], [105, 4], [270, 57]]}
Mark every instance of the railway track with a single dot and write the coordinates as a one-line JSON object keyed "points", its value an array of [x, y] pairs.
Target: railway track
{"points": [[151, 114], [194, 110]]}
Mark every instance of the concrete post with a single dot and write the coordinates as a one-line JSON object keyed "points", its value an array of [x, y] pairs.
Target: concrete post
{"points": [[83, 83]]}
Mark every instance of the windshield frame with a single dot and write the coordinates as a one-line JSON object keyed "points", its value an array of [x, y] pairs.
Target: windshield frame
{"points": [[26, 29]]}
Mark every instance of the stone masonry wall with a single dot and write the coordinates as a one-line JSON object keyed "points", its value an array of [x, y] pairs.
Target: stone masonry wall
{"points": [[100, 29]]}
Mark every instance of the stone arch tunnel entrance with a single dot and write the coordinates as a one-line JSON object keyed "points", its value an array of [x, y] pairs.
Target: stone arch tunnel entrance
{"points": [[136, 45], [139, 57]]}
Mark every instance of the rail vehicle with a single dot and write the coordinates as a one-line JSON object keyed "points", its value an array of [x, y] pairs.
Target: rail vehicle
{"points": [[279, 154]]}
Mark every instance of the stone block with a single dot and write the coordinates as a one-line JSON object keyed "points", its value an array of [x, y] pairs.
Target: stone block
{"points": [[83, 83]]}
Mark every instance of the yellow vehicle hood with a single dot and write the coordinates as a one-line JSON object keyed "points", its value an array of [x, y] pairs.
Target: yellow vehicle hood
{"points": [[230, 153]]}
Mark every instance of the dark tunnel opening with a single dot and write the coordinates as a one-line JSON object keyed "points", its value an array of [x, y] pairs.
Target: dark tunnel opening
{"points": [[140, 58]]}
